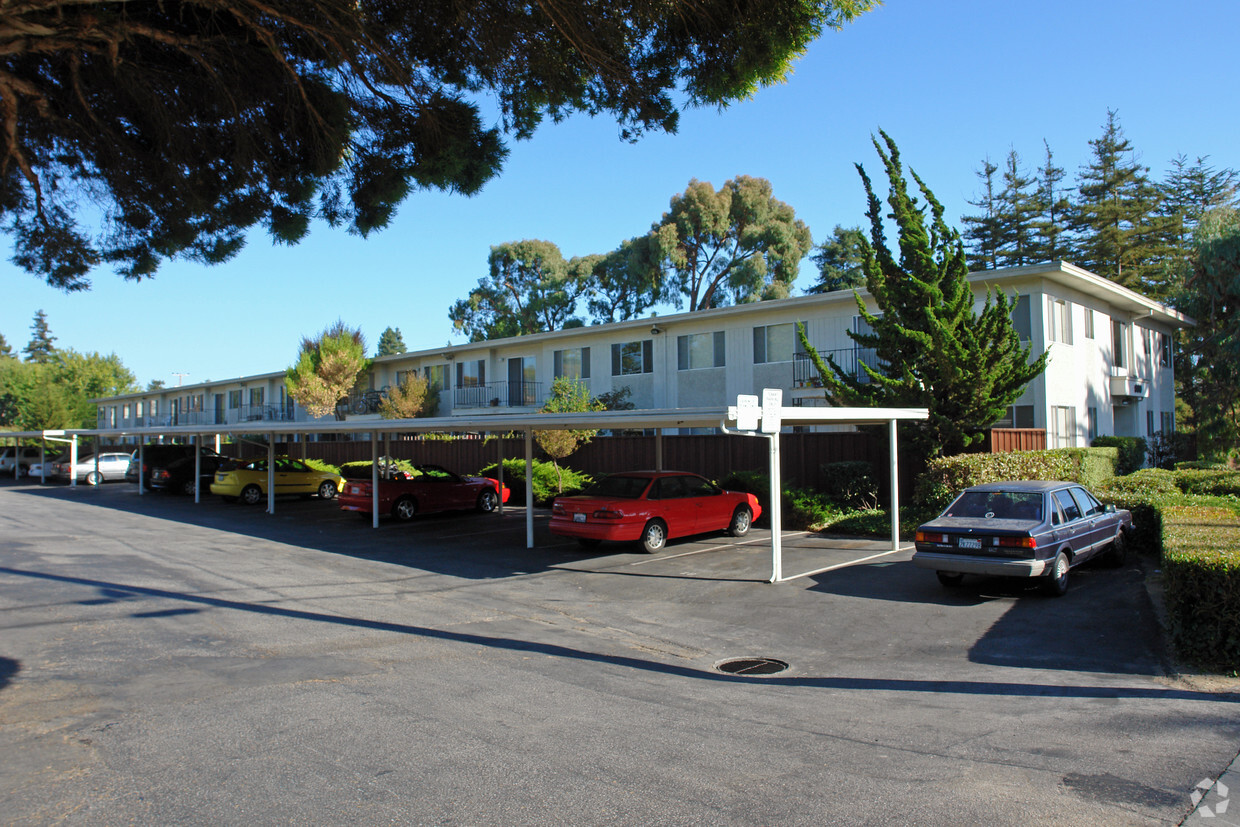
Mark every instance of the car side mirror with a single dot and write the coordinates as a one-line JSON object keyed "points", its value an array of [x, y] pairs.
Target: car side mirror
{"points": [[1109, 508]]}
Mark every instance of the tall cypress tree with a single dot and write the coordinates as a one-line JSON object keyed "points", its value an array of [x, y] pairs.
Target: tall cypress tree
{"points": [[932, 350], [1051, 204], [1188, 192], [40, 347], [982, 231], [1017, 211], [1114, 215]]}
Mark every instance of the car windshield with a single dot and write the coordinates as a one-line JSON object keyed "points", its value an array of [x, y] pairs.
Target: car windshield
{"points": [[620, 487], [997, 505]]}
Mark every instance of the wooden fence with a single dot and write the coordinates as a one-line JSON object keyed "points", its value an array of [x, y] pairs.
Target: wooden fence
{"points": [[1004, 440]]}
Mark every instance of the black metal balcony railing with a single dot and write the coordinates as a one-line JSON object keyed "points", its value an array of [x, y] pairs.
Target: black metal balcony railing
{"points": [[850, 359], [498, 395], [362, 402]]}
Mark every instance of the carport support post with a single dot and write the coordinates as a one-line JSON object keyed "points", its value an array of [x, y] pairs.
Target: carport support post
{"points": [[197, 466], [73, 454], [529, 489], [499, 474], [141, 466], [895, 486], [374, 480], [271, 473], [777, 522]]}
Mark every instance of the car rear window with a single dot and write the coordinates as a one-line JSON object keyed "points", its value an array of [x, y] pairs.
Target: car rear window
{"points": [[624, 488], [997, 505]]}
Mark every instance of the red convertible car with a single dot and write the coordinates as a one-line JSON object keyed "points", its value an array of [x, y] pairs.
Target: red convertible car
{"points": [[431, 488], [653, 507]]}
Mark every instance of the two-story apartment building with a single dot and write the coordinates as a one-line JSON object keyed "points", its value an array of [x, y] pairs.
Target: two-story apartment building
{"points": [[1110, 367]]}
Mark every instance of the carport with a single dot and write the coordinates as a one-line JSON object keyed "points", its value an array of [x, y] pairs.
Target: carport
{"points": [[740, 420]]}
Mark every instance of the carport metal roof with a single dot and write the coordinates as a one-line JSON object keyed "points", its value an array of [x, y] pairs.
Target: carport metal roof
{"points": [[527, 423]]}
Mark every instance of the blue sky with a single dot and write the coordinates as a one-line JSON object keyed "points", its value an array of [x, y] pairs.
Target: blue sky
{"points": [[951, 81]]}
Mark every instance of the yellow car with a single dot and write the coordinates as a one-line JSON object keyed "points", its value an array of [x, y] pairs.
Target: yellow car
{"points": [[248, 482]]}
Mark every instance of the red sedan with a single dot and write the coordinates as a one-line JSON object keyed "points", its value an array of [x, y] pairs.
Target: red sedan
{"points": [[653, 507], [430, 489]]}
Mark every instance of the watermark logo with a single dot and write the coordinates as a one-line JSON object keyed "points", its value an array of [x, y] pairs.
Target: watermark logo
{"points": [[1207, 804]]}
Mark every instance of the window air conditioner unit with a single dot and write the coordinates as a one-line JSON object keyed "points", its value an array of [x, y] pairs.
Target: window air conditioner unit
{"points": [[1138, 388]]}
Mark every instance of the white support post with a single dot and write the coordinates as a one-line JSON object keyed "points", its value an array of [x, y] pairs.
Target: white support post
{"points": [[374, 480], [141, 466], [73, 455], [895, 486], [499, 473], [43, 461], [777, 521], [271, 473], [529, 489]]}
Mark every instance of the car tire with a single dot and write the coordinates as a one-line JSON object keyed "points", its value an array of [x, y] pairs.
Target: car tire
{"points": [[950, 579], [1057, 582], [742, 519], [488, 501], [94, 478], [405, 509], [251, 495], [1117, 553], [588, 542], [327, 490], [654, 536], [187, 488]]}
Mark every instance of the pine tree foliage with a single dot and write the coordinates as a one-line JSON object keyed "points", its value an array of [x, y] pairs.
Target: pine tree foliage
{"points": [[932, 350], [982, 231], [839, 261], [326, 369], [40, 348], [1051, 206], [188, 122], [1017, 209], [391, 342], [6, 351]]}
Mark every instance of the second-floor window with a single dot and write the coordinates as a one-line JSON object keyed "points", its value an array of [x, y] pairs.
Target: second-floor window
{"points": [[630, 358], [256, 397], [436, 377], [700, 350], [471, 373], [1089, 323], [1059, 320], [234, 400], [774, 343], [1164, 350], [573, 362], [1117, 344]]}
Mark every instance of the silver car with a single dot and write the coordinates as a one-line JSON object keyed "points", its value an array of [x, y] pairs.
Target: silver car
{"points": [[110, 467], [1022, 529]]}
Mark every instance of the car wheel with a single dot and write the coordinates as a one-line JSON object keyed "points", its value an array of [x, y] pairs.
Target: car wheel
{"points": [[588, 542], [487, 501], [251, 495], [1117, 553], [187, 488], [742, 518], [94, 478], [1057, 584], [405, 509], [327, 490], [654, 536], [949, 578]]}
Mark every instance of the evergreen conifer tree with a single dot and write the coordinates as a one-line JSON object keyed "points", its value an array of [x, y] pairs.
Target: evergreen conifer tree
{"points": [[932, 350], [1017, 209], [391, 342], [40, 348], [1051, 205], [5, 349], [839, 261], [982, 231]]}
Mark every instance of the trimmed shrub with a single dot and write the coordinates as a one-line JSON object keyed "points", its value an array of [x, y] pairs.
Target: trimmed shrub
{"points": [[1201, 570], [1132, 450], [544, 483], [320, 465], [851, 484], [947, 476], [1223, 482]]}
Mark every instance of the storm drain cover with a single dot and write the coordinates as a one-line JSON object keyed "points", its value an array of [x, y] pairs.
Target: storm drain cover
{"points": [[752, 666]]}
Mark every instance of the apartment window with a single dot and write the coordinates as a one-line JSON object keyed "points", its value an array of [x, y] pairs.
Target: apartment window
{"points": [[1147, 342], [774, 343], [1059, 320], [1164, 350], [1089, 323], [1117, 344], [630, 358], [1168, 422], [234, 400], [1022, 319], [138, 410], [1016, 416], [1063, 427], [256, 397], [699, 350], [436, 377], [154, 407], [1092, 425], [1149, 423], [125, 413], [572, 362], [471, 373]]}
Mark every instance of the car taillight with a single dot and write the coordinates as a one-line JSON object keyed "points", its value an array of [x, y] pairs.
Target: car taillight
{"points": [[930, 537], [1017, 542], [556, 508], [608, 514]]}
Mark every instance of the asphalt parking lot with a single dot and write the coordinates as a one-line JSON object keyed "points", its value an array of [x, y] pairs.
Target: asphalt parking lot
{"points": [[167, 662]]}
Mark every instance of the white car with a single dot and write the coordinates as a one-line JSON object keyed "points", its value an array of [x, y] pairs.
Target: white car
{"points": [[109, 467], [29, 456], [47, 469]]}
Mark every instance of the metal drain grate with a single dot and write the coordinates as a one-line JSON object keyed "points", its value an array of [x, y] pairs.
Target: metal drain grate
{"points": [[751, 666]]}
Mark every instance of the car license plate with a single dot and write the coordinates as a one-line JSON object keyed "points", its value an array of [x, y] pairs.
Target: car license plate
{"points": [[579, 517], [969, 542]]}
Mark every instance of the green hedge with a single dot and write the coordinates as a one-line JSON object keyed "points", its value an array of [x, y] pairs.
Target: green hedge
{"points": [[545, 480], [947, 476], [1132, 450], [1201, 572], [361, 469]]}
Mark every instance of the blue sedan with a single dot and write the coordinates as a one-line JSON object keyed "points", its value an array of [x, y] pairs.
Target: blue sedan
{"points": [[1022, 529]]}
